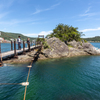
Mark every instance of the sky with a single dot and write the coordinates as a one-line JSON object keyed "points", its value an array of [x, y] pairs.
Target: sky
{"points": [[40, 17]]}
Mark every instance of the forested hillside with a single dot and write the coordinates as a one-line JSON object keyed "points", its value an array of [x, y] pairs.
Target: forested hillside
{"points": [[96, 38], [8, 36]]}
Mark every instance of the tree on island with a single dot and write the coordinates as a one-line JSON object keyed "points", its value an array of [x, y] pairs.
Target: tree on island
{"points": [[66, 33]]}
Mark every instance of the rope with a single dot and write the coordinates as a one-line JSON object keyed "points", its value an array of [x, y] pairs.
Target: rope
{"points": [[27, 81], [10, 83], [23, 83]]}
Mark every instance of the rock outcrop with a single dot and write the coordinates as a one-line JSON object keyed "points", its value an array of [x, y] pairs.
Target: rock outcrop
{"points": [[74, 44], [73, 48], [76, 52], [22, 58], [86, 47], [57, 48]]}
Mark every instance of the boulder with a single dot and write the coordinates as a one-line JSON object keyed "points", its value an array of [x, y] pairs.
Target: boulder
{"points": [[86, 47], [75, 44], [89, 48], [57, 48], [80, 47], [76, 52]]}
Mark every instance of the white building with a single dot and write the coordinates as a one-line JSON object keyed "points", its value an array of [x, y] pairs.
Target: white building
{"points": [[1, 39]]}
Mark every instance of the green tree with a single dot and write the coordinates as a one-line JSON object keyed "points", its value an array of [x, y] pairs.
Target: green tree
{"points": [[44, 42], [66, 33]]}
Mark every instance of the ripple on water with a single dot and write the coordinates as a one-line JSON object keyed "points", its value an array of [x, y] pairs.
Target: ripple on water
{"points": [[75, 78]]}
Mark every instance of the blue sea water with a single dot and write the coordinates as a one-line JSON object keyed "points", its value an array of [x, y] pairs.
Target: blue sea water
{"points": [[74, 78], [96, 44], [7, 46]]}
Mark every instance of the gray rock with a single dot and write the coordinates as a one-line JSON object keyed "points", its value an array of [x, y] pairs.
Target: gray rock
{"points": [[87, 45], [57, 48], [80, 47], [75, 44], [76, 52], [89, 48]]}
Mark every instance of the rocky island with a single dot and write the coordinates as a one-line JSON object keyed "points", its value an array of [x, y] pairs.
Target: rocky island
{"points": [[73, 48], [64, 41], [58, 49]]}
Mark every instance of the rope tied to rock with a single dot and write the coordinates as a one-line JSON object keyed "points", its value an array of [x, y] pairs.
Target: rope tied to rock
{"points": [[27, 80]]}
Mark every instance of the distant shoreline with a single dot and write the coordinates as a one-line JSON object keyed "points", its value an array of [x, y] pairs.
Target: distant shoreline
{"points": [[94, 41]]}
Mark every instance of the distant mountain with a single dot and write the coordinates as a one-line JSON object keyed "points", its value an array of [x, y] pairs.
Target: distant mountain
{"points": [[96, 38], [8, 36]]}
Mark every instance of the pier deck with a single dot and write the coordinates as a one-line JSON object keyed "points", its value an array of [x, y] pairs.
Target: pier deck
{"points": [[8, 54]]}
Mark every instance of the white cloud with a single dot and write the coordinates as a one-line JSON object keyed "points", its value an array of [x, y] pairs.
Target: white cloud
{"points": [[3, 14], [42, 10], [88, 14], [31, 35], [9, 3], [86, 30], [88, 9], [36, 34], [84, 19], [12, 22], [16, 21], [5, 4], [37, 11], [45, 33]]}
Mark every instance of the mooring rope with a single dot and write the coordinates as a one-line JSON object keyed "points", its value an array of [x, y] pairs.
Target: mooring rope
{"points": [[10, 83], [23, 83], [27, 80]]}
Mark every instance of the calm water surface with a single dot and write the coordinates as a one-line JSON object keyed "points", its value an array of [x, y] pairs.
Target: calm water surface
{"points": [[76, 78], [7, 46]]}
